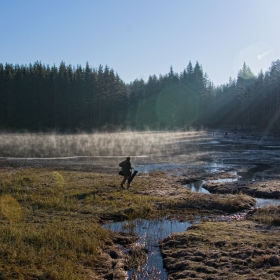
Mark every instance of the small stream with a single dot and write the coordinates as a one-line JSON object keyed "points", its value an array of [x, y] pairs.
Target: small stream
{"points": [[150, 232]]}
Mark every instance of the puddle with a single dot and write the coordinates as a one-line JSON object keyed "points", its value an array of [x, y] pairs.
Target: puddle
{"points": [[197, 187], [262, 202], [150, 232]]}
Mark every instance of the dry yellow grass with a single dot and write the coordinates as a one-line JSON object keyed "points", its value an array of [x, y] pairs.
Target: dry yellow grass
{"points": [[222, 250], [50, 219]]}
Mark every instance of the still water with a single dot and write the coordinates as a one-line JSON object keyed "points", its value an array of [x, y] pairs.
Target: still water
{"points": [[150, 232]]}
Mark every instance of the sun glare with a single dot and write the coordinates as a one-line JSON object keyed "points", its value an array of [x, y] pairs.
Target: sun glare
{"points": [[257, 56]]}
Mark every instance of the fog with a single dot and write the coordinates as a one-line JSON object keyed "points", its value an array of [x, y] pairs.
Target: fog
{"points": [[97, 144], [148, 147]]}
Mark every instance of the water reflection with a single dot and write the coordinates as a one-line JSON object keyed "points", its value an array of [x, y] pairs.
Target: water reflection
{"points": [[197, 187], [157, 167], [149, 233], [262, 202]]}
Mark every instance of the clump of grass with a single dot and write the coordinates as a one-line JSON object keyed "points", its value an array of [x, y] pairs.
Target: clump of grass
{"points": [[137, 255], [267, 215]]}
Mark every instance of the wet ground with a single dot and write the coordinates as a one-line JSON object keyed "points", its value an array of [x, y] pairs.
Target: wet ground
{"points": [[149, 151], [207, 162], [150, 233], [215, 162]]}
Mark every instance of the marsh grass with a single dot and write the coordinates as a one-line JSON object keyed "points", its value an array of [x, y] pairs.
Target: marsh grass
{"points": [[50, 219], [53, 250], [236, 250], [136, 257], [269, 215], [10, 208], [43, 234]]}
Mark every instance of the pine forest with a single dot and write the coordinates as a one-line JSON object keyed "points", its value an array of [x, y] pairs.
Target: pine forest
{"points": [[70, 99]]}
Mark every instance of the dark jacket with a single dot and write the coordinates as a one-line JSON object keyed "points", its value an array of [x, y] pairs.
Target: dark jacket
{"points": [[126, 167]]}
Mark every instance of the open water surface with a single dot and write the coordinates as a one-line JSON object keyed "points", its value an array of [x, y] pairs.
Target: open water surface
{"points": [[150, 232]]}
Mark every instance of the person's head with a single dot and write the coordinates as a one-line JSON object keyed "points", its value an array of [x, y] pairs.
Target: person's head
{"points": [[128, 159]]}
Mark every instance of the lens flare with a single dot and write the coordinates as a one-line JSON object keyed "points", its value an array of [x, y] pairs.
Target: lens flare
{"points": [[59, 180], [177, 105], [10, 208], [257, 56]]}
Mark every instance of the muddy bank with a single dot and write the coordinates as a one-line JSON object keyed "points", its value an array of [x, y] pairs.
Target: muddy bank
{"points": [[262, 184], [269, 189], [113, 262]]}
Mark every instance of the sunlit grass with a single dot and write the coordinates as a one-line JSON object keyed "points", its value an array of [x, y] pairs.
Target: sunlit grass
{"points": [[54, 250], [10, 208], [42, 234], [239, 250], [267, 215], [50, 218]]}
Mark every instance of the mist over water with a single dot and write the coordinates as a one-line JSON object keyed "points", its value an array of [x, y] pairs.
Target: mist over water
{"points": [[148, 150], [141, 146]]}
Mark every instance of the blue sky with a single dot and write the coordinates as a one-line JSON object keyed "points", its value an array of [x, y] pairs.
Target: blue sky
{"points": [[138, 38]]}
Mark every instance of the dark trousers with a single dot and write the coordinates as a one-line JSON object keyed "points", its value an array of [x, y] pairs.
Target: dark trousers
{"points": [[125, 178]]}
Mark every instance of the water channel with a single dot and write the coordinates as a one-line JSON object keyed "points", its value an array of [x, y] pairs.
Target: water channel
{"points": [[150, 232]]}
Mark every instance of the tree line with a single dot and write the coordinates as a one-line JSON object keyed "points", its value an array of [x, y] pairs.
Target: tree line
{"points": [[39, 97], [65, 98], [248, 102]]}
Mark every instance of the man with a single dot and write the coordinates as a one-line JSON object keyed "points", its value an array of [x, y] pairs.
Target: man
{"points": [[126, 169]]}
